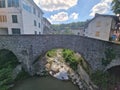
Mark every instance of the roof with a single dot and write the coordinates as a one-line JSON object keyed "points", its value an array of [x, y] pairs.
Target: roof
{"points": [[46, 20], [112, 16], [104, 15]]}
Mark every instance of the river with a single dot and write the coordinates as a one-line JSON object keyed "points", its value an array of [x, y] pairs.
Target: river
{"points": [[44, 83]]}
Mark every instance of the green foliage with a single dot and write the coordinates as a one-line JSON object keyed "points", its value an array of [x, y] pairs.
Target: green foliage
{"points": [[68, 27], [5, 87], [109, 56], [51, 53], [116, 6], [102, 79], [8, 62], [70, 58], [22, 75], [6, 76]]}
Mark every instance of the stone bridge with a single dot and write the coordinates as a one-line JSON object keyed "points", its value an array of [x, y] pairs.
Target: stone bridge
{"points": [[28, 48]]}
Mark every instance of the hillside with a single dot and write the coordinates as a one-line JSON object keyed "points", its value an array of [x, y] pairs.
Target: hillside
{"points": [[69, 26]]}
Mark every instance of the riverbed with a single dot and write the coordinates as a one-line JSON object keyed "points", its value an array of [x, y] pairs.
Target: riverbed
{"points": [[44, 83]]}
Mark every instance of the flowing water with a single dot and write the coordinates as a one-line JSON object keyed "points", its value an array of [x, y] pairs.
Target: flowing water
{"points": [[44, 83]]}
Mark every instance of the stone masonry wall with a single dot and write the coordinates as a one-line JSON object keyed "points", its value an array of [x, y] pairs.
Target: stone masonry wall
{"points": [[28, 48]]}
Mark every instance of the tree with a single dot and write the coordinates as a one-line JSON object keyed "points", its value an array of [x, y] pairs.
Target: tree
{"points": [[116, 6]]}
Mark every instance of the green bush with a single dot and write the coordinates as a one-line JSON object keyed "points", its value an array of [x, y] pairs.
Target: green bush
{"points": [[6, 76], [51, 53], [70, 58], [4, 87]]}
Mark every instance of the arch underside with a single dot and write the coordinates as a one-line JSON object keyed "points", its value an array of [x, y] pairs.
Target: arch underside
{"points": [[113, 63]]}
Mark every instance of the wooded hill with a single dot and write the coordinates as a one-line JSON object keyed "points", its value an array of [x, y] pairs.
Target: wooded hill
{"points": [[69, 26]]}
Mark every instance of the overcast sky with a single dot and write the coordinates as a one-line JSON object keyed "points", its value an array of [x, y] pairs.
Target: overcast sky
{"points": [[66, 11]]}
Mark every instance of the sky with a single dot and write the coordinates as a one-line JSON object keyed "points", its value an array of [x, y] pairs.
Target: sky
{"points": [[67, 11]]}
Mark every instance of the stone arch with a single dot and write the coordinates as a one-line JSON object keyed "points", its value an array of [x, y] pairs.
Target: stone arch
{"points": [[115, 70], [7, 57], [12, 51], [42, 53], [59, 66], [39, 56], [113, 63], [9, 51]]}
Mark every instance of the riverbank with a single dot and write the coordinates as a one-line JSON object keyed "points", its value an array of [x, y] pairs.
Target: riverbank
{"points": [[65, 64]]}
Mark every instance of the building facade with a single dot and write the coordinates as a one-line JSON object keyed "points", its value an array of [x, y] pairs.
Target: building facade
{"points": [[79, 31], [102, 27], [20, 17], [47, 27]]}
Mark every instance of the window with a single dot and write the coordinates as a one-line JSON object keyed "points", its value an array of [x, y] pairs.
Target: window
{"points": [[16, 31], [35, 23], [14, 19], [27, 8], [35, 32], [98, 24], [39, 25], [13, 3], [2, 3], [97, 34], [3, 18], [34, 11]]}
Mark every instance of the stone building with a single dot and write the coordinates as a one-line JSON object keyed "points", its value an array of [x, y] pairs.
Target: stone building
{"points": [[20, 17], [103, 27]]}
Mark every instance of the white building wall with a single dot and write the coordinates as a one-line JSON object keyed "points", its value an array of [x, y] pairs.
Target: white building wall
{"points": [[28, 20], [8, 12], [99, 28], [25, 18]]}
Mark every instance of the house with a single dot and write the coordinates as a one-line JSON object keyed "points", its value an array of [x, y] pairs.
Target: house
{"points": [[73, 31], [20, 17], [46, 27], [79, 31], [103, 27]]}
